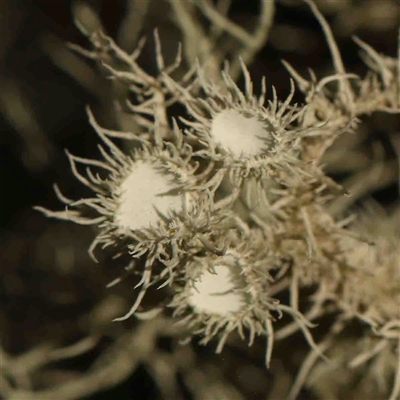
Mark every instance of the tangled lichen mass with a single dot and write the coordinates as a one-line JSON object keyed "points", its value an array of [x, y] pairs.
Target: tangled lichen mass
{"points": [[226, 207]]}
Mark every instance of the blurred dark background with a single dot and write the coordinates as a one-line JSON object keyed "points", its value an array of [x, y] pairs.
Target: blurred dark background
{"points": [[49, 284]]}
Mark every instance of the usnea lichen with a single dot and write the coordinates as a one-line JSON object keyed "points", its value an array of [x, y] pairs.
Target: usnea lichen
{"points": [[246, 134], [234, 293], [227, 250]]}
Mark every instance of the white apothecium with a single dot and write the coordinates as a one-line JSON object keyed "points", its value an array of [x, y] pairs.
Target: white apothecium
{"points": [[247, 134]]}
